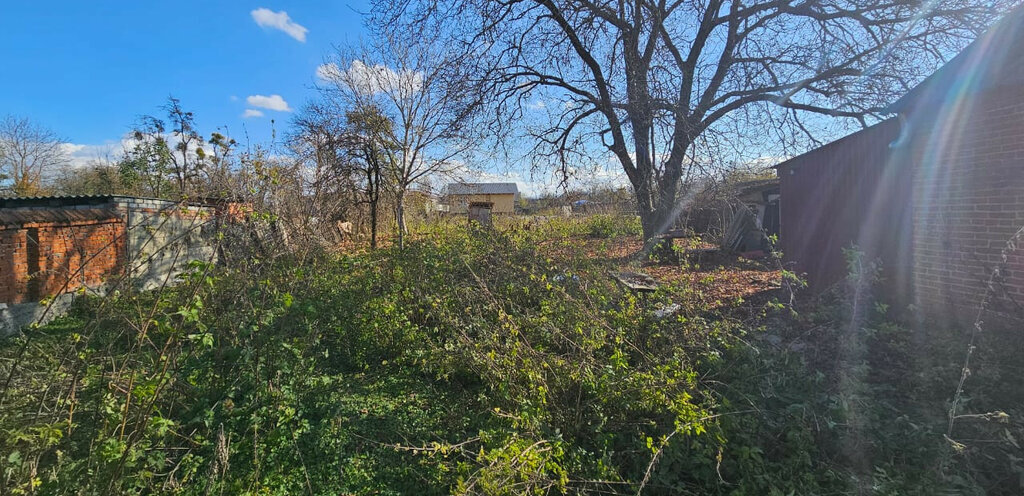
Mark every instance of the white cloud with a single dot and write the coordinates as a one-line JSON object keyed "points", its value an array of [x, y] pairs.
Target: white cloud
{"points": [[370, 79], [536, 105], [81, 155], [272, 102], [329, 72], [251, 113], [266, 18]]}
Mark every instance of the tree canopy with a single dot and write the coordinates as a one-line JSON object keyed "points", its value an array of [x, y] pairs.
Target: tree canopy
{"points": [[664, 86]]}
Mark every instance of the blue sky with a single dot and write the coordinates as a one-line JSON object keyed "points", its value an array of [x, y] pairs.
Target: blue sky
{"points": [[87, 70]]}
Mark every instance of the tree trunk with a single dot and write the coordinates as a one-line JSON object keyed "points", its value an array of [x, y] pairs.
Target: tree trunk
{"points": [[373, 192], [654, 224], [657, 211], [373, 224], [400, 217], [649, 215]]}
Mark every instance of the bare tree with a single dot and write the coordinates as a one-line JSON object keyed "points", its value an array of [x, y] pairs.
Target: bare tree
{"points": [[167, 157], [420, 90], [28, 152], [219, 173], [345, 150], [99, 177], [146, 162], [188, 158], [332, 181], [662, 85], [368, 141]]}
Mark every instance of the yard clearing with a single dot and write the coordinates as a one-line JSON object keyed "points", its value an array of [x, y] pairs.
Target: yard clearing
{"points": [[716, 279]]}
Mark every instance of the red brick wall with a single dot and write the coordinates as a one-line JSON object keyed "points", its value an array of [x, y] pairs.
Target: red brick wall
{"points": [[13, 265], [45, 251], [968, 202], [43, 259], [235, 211]]}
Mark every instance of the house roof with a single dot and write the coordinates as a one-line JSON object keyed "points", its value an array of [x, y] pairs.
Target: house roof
{"points": [[482, 189], [885, 132], [993, 60]]}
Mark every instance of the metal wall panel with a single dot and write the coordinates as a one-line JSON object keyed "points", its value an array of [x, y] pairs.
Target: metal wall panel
{"points": [[855, 191]]}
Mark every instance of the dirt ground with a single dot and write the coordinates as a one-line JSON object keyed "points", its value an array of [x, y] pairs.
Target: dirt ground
{"points": [[718, 279]]}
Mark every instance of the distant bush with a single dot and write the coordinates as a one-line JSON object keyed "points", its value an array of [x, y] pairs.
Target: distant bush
{"points": [[610, 226]]}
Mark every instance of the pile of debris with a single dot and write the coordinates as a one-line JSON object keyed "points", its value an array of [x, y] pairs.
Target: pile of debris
{"points": [[740, 216]]}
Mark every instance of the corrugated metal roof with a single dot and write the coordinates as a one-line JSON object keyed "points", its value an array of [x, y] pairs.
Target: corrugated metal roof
{"points": [[77, 200], [482, 189], [995, 59], [18, 217], [54, 201]]}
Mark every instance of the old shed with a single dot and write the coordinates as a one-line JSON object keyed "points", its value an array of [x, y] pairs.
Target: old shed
{"points": [[851, 192], [503, 196], [936, 192]]}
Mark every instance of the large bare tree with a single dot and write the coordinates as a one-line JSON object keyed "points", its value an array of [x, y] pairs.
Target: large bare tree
{"points": [[28, 151], [423, 104], [661, 85]]}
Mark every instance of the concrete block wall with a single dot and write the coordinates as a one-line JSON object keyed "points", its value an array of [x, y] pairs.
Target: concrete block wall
{"points": [[163, 237]]}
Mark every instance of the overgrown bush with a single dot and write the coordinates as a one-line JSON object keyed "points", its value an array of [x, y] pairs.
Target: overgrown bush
{"points": [[610, 226], [468, 363], [888, 382]]}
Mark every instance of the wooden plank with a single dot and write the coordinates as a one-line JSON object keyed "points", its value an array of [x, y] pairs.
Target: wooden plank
{"points": [[635, 281]]}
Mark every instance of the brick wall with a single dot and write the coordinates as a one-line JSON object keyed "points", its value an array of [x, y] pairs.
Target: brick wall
{"points": [[968, 202], [55, 246], [13, 265], [47, 253], [52, 249]]}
